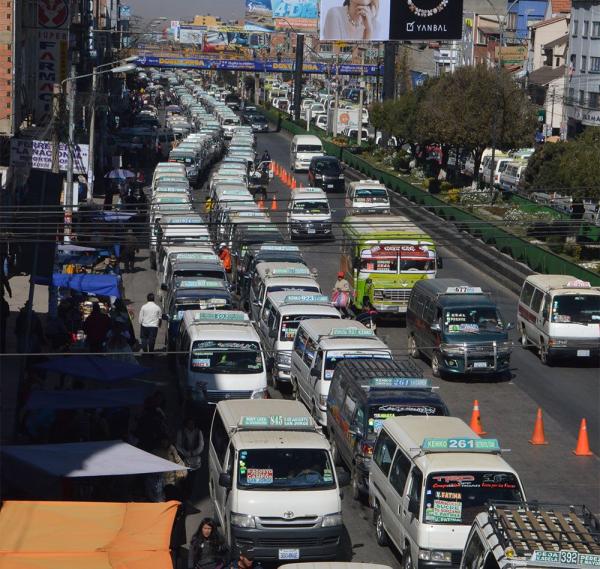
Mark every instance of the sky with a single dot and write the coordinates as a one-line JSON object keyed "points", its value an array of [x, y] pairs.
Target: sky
{"points": [[186, 9]]}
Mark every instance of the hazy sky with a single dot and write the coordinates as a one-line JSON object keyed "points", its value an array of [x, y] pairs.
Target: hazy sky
{"points": [[186, 9]]}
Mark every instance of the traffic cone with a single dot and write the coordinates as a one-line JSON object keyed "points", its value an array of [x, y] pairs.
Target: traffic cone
{"points": [[293, 185], [261, 203], [583, 444], [476, 419], [286, 178], [274, 203], [538, 437]]}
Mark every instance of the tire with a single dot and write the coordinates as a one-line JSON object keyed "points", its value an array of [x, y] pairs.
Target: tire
{"points": [[380, 534], [295, 390], [407, 559], [525, 343], [545, 357], [413, 351], [435, 365], [335, 453], [356, 493]]}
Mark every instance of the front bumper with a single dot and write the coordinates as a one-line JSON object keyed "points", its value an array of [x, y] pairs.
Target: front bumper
{"points": [[331, 184], [370, 210], [472, 362], [390, 308], [312, 543], [581, 353], [316, 230]]}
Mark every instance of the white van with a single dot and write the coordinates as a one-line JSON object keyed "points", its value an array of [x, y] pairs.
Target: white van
{"points": [[560, 316], [220, 357], [309, 215], [510, 178], [367, 197], [429, 478], [304, 147], [318, 347], [274, 277], [279, 321], [272, 481]]}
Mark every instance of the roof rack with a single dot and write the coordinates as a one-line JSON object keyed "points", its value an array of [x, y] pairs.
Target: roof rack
{"points": [[523, 528]]}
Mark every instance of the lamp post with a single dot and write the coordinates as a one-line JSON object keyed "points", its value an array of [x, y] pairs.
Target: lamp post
{"points": [[70, 142]]}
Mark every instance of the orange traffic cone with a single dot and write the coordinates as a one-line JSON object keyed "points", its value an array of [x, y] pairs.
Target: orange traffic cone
{"points": [[286, 178], [293, 185], [274, 203], [476, 419], [261, 204], [538, 437], [583, 444]]}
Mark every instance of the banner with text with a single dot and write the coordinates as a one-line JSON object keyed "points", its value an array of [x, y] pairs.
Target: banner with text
{"points": [[37, 155]]}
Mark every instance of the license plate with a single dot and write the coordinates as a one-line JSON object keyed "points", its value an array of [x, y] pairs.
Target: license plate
{"points": [[289, 554], [479, 364], [311, 231], [330, 185], [583, 353]]}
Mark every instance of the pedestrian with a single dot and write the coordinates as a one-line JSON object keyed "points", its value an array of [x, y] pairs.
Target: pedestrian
{"points": [[128, 250], [266, 157], [225, 256], [150, 319], [367, 315], [173, 478], [151, 424], [29, 341], [190, 444], [96, 327], [206, 547], [118, 346], [120, 315], [245, 560], [4, 315], [340, 295]]}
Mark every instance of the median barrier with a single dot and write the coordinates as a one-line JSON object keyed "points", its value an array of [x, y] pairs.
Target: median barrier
{"points": [[519, 249]]}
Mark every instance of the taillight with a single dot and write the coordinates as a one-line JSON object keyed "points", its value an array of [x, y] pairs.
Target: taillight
{"points": [[366, 449]]}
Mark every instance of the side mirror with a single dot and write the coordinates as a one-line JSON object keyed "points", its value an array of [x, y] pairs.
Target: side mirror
{"points": [[436, 328], [273, 334], [509, 326], [163, 287], [343, 477], [225, 480], [413, 506], [314, 372]]}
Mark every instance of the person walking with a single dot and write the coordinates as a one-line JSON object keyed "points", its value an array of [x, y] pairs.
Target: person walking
{"points": [[96, 327], [171, 479], [225, 256], [32, 343], [245, 560], [4, 315], [189, 445], [206, 547], [340, 294], [150, 320], [128, 251]]}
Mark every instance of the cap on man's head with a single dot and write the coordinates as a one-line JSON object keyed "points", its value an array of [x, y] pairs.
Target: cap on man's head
{"points": [[247, 553], [340, 274]]}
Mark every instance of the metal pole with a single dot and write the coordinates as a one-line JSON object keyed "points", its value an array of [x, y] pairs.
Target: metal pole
{"points": [[92, 149], [70, 151], [56, 106], [552, 112], [298, 75], [360, 113], [337, 95]]}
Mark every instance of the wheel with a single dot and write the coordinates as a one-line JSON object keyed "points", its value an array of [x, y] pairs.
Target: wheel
{"points": [[380, 533], [435, 365], [356, 493], [295, 390], [412, 347], [407, 559], [525, 344], [335, 453], [545, 357]]}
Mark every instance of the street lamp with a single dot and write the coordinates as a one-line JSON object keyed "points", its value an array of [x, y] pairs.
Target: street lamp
{"points": [[124, 68]]}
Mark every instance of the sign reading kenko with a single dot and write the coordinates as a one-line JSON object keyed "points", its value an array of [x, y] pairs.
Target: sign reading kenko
{"points": [[426, 19]]}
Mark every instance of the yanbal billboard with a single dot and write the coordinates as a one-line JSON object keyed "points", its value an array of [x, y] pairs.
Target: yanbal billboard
{"points": [[378, 20]]}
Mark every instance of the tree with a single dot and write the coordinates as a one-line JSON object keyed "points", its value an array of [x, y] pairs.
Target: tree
{"points": [[397, 116], [473, 106]]}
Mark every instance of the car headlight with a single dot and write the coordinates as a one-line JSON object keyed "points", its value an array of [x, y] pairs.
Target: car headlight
{"points": [[506, 346], [284, 358], [260, 394], [318, 176], [435, 555], [331, 520], [341, 176], [452, 349], [555, 342], [242, 521]]}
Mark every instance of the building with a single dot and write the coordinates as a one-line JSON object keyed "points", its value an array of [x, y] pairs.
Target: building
{"points": [[548, 42], [582, 108], [522, 14]]}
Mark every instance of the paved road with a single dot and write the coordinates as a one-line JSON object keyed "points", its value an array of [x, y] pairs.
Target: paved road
{"points": [[550, 473]]}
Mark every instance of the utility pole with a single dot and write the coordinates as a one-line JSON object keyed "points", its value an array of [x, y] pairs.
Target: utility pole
{"points": [[337, 95], [361, 89], [70, 152], [92, 143], [56, 113], [298, 75], [552, 112]]}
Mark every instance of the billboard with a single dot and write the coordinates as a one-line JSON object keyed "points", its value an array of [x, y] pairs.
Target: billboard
{"points": [[275, 15], [191, 35], [223, 41], [37, 154], [380, 20]]}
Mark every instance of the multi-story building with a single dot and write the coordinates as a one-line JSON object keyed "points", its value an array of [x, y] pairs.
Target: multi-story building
{"points": [[582, 106]]}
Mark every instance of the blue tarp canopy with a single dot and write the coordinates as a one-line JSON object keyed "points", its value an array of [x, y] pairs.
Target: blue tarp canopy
{"points": [[103, 285], [87, 398], [98, 368]]}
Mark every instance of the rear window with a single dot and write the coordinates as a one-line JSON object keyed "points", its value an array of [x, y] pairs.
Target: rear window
{"points": [[309, 148]]}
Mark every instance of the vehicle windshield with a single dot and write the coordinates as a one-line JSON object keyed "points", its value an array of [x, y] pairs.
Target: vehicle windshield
{"points": [[201, 304], [279, 288], [309, 148], [332, 358], [290, 323], [472, 320], [390, 265], [367, 195], [223, 356], [198, 273], [380, 412], [576, 309], [457, 497], [315, 207], [329, 167], [284, 469]]}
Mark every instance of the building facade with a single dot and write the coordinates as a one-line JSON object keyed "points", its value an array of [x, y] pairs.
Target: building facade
{"points": [[582, 108]]}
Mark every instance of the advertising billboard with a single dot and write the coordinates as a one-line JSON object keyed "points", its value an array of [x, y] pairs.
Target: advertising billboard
{"points": [[191, 35], [380, 20], [275, 15]]}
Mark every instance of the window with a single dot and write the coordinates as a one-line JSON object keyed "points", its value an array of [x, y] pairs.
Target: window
{"points": [[309, 354], [527, 294], [596, 29], [219, 438], [300, 342], [399, 473], [536, 303], [595, 64], [581, 97], [586, 29], [384, 452], [475, 553], [571, 94], [349, 407], [583, 67], [575, 28], [416, 483], [594, 100]]}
